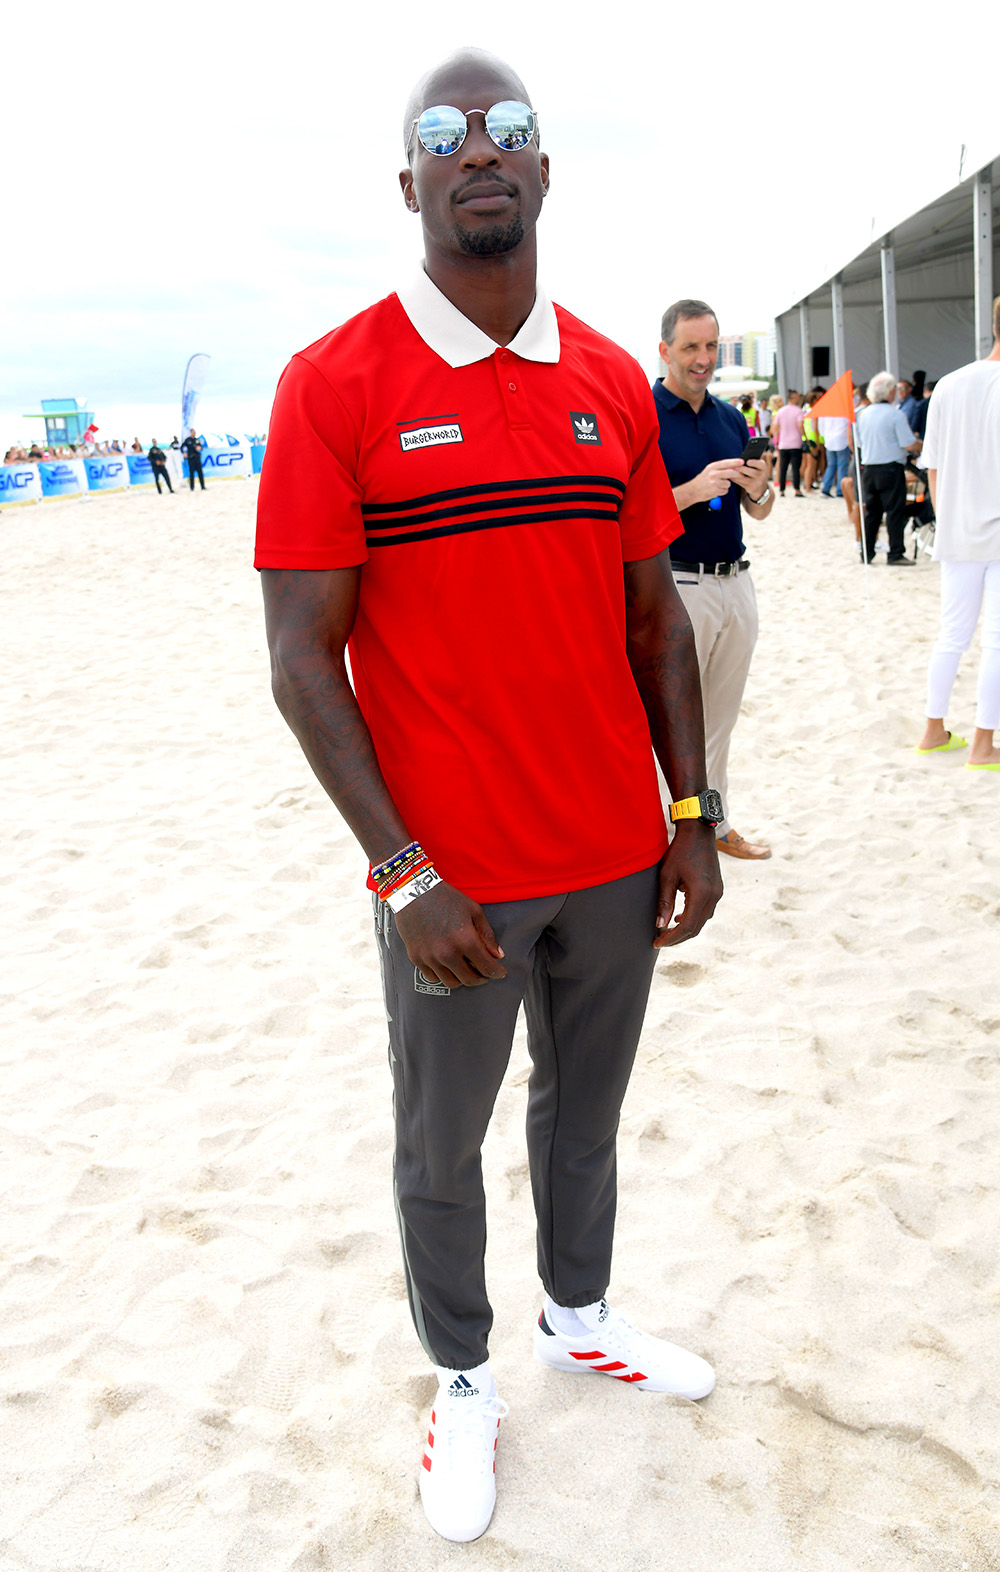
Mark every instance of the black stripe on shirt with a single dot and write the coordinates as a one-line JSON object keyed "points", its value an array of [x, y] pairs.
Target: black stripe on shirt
{"points": [[542, 484], [493, 505], [480, 524]]}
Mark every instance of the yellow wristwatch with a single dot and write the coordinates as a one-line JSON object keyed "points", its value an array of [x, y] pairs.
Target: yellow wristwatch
{"points": [[707, 806]]}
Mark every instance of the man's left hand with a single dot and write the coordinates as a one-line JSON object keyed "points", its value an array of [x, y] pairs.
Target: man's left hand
{"points": [[752, 476], [689, 868]]}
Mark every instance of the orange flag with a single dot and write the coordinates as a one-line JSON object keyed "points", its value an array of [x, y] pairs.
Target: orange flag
{"points": [[837, 400]]}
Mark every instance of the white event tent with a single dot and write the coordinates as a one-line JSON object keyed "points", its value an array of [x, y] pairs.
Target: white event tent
{"points": [[919, 296]]}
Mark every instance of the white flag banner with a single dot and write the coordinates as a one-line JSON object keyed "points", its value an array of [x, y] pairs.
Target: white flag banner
{"points": [[194, 383]]}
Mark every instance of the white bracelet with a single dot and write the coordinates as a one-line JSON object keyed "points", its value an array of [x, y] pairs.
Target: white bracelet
{"points": [[409, 892]]}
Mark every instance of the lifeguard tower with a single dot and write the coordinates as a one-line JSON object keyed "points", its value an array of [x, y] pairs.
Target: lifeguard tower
{"points": [[65, 420]]}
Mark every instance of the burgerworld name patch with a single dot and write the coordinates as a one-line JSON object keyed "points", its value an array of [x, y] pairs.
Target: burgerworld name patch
{"points": [[430, 434]]}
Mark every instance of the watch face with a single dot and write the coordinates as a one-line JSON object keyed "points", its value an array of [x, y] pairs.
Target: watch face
{"points": [[711, 806]]}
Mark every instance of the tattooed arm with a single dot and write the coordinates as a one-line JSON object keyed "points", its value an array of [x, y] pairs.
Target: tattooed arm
{"points": [[661, 652], [309, 618]]}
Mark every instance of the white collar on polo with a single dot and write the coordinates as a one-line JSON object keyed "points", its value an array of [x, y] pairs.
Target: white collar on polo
{"points": [[459, 342]]}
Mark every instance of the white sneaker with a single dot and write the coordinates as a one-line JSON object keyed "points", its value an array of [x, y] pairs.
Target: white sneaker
{"points": [[613, 1346], [458, 1477]]}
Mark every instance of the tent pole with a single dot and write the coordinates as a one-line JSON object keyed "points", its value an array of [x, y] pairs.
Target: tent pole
{"points": [[839, 346], [982, 251]]}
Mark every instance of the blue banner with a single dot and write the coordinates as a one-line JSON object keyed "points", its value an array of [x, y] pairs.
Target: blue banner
{"points": [[107, 472], [225, 462], [140, 470], [257, 456], [62, 477], [19, 483]]}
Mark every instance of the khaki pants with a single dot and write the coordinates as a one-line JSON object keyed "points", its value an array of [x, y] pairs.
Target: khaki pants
{"points": [[723, 614]]}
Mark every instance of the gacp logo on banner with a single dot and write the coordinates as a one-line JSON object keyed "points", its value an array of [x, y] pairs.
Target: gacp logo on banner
{"points": [[20, 483], [227, 461], [107, 474]]}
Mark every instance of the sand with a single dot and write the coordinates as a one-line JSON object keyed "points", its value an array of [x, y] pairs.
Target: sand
{"points": [[208, 1362]]}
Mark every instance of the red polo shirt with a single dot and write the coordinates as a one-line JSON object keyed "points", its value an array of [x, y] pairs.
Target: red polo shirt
{"points": [[491, 496]]}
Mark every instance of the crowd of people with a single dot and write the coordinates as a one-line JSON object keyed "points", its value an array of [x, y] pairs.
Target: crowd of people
{"points": [[817, 454], [44, 452], [809, 446]]}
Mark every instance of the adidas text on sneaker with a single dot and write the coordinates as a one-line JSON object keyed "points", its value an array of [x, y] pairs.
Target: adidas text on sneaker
{"points": [[458, 1474], [614, 1347]]}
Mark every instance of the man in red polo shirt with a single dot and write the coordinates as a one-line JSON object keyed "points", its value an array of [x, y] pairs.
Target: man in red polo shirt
{"points": [[470, 497]]}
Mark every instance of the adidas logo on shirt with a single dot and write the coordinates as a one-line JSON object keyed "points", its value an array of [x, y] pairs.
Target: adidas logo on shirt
{"points": [[585, 426]]}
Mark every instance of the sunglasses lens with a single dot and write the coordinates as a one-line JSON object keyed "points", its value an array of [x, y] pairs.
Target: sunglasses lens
{"points": [[441, 129], [511, 125]]}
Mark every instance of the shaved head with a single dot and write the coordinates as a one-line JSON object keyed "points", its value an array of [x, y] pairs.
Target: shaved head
{"points": [[433, 85]]}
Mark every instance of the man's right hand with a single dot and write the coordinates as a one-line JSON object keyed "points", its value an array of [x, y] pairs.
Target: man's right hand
{"points": [[448, 937], [715, 479]]}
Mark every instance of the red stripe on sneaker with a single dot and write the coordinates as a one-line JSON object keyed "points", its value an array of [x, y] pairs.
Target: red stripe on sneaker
{"points": [[594, 1353], [427, 1462], [616, 1364], [430, 1438], [636, 1375]]}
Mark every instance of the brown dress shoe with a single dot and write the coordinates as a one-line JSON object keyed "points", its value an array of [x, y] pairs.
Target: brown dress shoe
{"points": [[735, 846]]}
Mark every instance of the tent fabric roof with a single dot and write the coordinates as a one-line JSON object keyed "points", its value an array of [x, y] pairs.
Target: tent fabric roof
{"points": [[936, 233], [933, 255]]}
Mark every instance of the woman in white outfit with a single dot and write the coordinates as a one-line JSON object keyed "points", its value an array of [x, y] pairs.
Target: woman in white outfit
{"points": [[962, 454]]}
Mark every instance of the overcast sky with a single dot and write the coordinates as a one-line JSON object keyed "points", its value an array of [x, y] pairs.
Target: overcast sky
{"points": [[225, 179]]}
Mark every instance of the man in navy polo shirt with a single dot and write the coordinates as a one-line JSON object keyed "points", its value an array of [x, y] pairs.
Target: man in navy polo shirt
{"points": [[701, 440]]}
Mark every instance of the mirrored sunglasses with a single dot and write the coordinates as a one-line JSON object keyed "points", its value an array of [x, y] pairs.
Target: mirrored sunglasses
{"points": [[442, 129]]}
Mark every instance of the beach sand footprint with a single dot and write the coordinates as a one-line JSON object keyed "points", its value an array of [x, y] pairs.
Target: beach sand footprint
{"points": [[685, 974]]}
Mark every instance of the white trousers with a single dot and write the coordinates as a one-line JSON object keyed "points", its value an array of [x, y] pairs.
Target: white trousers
{"points": [[966, 589], [723, 615]]}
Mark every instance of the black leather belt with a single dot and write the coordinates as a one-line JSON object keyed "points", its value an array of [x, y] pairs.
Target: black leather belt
{"points": [[720, 570]]}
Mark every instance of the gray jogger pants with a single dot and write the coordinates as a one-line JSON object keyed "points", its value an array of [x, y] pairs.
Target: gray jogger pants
{"points": [[582, 963]]}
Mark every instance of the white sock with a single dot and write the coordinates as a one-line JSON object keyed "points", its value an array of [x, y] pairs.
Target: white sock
{"points": [[568, 1321], [479, 1379]]}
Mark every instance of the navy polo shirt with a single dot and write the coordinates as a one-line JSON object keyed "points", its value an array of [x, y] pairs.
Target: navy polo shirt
{"points": [[688, 442]]}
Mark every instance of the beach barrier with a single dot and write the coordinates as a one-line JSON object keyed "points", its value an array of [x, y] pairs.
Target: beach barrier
{"points": [[35, 482], [63, 478], [222, 463], [107, 472], [19, 483]]}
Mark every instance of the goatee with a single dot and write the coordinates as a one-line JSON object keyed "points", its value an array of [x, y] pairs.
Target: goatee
{"points": [[492, 242]]}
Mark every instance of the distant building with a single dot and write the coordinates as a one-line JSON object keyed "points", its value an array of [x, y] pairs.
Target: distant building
{"points": [[758, 353], [754, 351]]}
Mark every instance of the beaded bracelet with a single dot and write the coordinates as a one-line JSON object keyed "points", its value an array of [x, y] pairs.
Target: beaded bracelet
{"points": [[390, 886], [396, 868], [392, 864]]}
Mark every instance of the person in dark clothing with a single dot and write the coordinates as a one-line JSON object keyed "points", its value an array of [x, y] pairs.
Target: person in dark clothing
{"points": [[923, 398], [191, 448], [158, 462]]}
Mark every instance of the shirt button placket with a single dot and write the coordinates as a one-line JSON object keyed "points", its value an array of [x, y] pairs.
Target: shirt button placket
{"points": [[517, 413]]}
